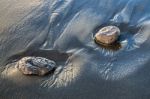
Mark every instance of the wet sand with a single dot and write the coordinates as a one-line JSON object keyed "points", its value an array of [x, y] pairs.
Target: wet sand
{"points": [[63, 31]]}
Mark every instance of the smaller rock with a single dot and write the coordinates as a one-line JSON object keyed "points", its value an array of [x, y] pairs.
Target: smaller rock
{"points": [[35, 65], [107, 35]]}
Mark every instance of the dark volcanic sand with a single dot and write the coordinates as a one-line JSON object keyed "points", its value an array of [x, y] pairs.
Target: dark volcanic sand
{"points": [[62, 30]]}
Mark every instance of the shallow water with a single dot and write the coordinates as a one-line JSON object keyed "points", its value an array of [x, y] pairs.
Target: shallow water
{"points": [[62, 30]]}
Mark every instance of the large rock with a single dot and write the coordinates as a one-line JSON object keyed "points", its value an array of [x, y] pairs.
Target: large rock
{"points": [[107, 35], [35, 65]]}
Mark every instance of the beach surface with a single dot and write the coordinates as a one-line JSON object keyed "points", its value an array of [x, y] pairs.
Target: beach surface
{"points": [[63, 31]]}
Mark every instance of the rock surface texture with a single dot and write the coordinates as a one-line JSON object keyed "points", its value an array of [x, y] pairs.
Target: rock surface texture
{"points": [[35, 66], [107, 35]]}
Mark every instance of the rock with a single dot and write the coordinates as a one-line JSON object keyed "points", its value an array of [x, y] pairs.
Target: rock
{"points": [[35, 65], [107, 35]]}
